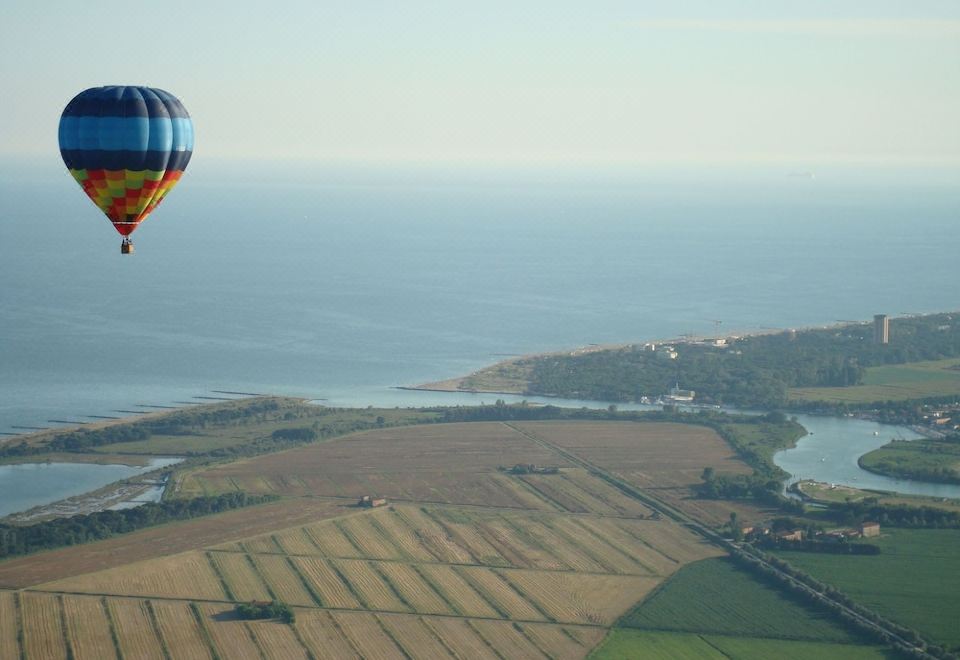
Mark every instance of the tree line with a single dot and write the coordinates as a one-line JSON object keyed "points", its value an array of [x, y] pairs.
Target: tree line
{"points": [[20, 540]]}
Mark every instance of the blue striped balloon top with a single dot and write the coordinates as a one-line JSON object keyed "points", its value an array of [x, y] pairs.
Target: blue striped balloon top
{"points": [[134, 128]]}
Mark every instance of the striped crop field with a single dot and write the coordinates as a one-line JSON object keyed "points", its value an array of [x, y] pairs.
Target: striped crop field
{"points": [[462, 597], [134, 629], [366, 635], [561, 641], [283, 581], [277, 640], [578, 598], [435, 539], [330, 540], [231, 638], [9, 647], [239, 576], [42, 631], [262, 544], [499, 593], [459, 636], [614, 558], [323, 637], [369, 586], [538, 533], [88, 628], [293, 542], [597, 492], [414, 589], [188, 575], [367, 538], [462, 530], [181, 633], [509, 639], [179, 629], [405, 537], [410, 632], [324, 581]]}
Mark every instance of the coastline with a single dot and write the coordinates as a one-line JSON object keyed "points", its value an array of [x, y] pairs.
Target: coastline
{"points": [[506, 376]]}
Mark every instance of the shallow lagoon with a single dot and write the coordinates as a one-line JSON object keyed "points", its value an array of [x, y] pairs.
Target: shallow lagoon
{"points": [[26, 485]]}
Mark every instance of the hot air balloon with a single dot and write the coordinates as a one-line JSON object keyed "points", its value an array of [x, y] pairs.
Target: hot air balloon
{"points": [[127, 148]]}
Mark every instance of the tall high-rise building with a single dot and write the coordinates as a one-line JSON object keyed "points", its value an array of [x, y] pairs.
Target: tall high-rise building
{"points": [[881, 329]]}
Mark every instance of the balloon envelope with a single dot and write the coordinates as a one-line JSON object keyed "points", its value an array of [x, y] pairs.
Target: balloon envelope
{"points": [[127, 148]]}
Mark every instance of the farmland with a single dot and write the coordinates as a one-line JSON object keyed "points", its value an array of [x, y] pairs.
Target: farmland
{"points": [[407, 600], [899, 382], [667, 457], [914, 581], [652, 645], [715, 597], [450, 463], [161, 541], [466, 560], [711, 609]]}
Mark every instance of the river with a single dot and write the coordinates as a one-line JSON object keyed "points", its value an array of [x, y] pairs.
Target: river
{"points": [[830, 451]]}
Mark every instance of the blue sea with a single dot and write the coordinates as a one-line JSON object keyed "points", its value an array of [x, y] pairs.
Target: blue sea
{"points": [[339, 282]]}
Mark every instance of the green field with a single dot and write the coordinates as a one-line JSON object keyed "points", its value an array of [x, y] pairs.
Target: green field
{"points": [[651, 645], [926, 460], [898, 382], [915, 581], [714, 596]]}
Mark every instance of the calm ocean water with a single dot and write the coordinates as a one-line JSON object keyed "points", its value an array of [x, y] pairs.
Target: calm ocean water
{"points": [[339, 283]]}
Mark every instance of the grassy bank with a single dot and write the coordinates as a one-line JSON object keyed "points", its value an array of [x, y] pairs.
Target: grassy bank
{"points": [[924, 460]]}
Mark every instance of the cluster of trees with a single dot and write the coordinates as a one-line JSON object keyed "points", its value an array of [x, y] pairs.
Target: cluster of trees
{"points": [[19, 540], [840, 547], [755, 371], [302, 434], [266, 610], [778, 572], [755, 486]]}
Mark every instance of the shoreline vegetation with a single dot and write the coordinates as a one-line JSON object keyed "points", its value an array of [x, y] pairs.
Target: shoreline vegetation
{"points": [[834, 368]]}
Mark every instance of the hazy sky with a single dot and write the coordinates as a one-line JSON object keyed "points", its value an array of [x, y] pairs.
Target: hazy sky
{"points": [[523, 80]]}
